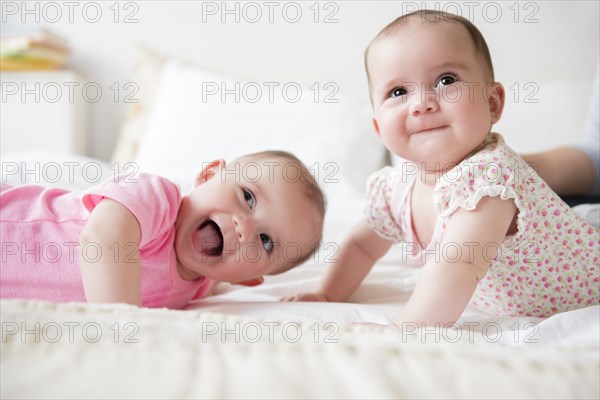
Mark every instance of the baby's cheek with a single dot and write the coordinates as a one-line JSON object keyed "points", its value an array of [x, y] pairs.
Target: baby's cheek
{"points": [[454, 93]]}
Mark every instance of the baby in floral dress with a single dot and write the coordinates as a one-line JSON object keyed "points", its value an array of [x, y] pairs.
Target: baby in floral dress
{"points": [[486, 228]]}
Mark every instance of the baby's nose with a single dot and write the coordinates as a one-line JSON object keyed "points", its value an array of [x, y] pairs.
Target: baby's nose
{"points": [[244, 228], [424, 103]]}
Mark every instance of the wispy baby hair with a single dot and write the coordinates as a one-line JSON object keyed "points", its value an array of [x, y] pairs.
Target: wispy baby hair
{"points": [[435, 17]]}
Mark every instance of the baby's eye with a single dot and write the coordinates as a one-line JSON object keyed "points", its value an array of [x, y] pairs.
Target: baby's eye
{"points": [[249, 197], [397, 92], [446, 79], [266, 242]]}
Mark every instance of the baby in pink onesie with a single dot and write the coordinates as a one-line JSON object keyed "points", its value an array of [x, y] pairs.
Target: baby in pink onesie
{"points": [[138, 241]]}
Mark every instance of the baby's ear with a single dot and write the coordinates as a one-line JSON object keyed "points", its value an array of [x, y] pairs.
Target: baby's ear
{"points": [[376, 127], [209, 171], [496, 100], [252, 282]]}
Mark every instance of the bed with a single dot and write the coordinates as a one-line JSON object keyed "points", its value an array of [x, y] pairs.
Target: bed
{"points": [[243, 342]]}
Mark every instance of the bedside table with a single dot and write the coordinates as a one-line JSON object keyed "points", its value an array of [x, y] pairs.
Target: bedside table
{"points": [[43, 110]]}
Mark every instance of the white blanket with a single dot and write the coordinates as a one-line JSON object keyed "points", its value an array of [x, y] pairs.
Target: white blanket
{"points": [[243, 343]]}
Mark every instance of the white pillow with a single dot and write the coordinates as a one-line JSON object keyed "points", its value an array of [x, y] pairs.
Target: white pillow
{"points": [[188, 127]]}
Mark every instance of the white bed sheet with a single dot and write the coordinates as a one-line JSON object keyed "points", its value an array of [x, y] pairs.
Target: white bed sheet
{"points": [[381, 296]]}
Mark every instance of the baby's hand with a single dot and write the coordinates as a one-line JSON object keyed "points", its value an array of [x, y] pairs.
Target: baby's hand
{"points": [[312, 296]]}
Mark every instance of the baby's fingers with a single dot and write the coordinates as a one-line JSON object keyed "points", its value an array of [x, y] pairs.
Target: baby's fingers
{"points": [[304, 297], [289, 298]]}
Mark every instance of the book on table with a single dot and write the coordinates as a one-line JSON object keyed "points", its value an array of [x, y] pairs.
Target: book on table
{"points": [[32, 50]]}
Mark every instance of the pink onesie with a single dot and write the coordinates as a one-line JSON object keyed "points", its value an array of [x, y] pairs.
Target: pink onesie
{"points": [[40, 231]]}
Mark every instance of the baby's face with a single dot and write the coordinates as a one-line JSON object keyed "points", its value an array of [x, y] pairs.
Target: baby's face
{"points": [[431, 93], [251, 218]]}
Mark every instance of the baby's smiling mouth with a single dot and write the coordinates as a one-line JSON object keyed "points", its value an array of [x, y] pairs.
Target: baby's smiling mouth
{"points": [[433, 129], [208, 238]]}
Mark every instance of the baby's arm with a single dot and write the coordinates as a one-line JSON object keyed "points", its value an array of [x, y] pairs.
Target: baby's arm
{"points": [[359, 252], [113, 275], [446, 286]]}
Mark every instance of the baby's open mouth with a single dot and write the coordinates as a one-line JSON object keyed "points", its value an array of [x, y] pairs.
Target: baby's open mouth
{"points": [[208, 239]]}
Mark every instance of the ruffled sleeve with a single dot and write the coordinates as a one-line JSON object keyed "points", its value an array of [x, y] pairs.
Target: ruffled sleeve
{"points": [[495, 170], [382, 187]]}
